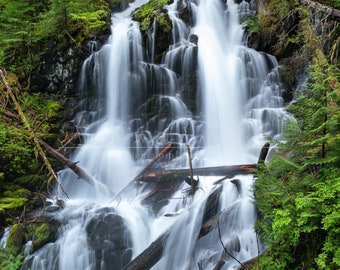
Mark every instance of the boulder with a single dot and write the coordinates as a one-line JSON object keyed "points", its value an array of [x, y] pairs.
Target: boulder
{"points": [[110, 239]]}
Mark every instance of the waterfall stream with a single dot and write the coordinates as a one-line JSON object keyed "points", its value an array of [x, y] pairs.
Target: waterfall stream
{"points": [[139, 108]]}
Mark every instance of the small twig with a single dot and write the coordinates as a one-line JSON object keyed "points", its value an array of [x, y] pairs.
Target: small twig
{"points": [[67, 140], [193, 185], [225, 249]]}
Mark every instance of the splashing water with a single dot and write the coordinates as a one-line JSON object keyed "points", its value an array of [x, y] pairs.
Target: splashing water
{"points": [[140, 107]]}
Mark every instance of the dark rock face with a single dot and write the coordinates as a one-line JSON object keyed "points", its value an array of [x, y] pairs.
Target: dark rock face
{"points": [[118, 5], [184, 12], [110, 240], [57, 71]]}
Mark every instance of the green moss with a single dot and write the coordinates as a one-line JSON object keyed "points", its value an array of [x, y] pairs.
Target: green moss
{"points": [[16, 238], [14, 197], [42, 236], [147, 12], [41, 232]]}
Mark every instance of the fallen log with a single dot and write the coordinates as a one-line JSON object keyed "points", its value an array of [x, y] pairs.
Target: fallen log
{"points": [[227, 171], [68, 163], [150, 256], [153, 253], [166, 150]]}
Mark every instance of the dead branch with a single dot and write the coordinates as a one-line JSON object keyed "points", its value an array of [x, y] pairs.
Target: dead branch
{"points": [[166, 150], [319, 7], [263, 153], [68, 163], [192, 182], [12, 115], [67, 140], [225, 249]]}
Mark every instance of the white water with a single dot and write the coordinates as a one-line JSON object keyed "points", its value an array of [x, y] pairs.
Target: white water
{"points": [[240, 104]]}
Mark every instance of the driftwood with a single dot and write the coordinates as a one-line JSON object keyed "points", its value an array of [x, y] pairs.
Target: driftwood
{"points": [[68, 163], [319, 7]]}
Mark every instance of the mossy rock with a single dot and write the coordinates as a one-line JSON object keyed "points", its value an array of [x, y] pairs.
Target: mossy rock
{"points": [[109, 239], [16, 238], [146, 15], [147, 12], [42, 232]]}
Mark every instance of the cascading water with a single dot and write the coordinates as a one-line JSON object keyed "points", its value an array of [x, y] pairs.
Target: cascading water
{"points": [[142, 106]]}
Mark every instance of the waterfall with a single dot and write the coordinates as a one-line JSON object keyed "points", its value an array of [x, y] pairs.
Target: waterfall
{"points": [[131, 108]]}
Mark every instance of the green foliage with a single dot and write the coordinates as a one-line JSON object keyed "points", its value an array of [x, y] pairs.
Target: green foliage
{"points": [[18, 155], [250, 24], [14, 197], [9, 260], [27, 29], [337, 4], [298, 190]]}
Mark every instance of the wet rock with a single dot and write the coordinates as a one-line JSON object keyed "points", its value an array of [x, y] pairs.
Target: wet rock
{"points": [[237, 183], [212, 205], [184, 12], [110, 239], [27, 263], [118, 5]]}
